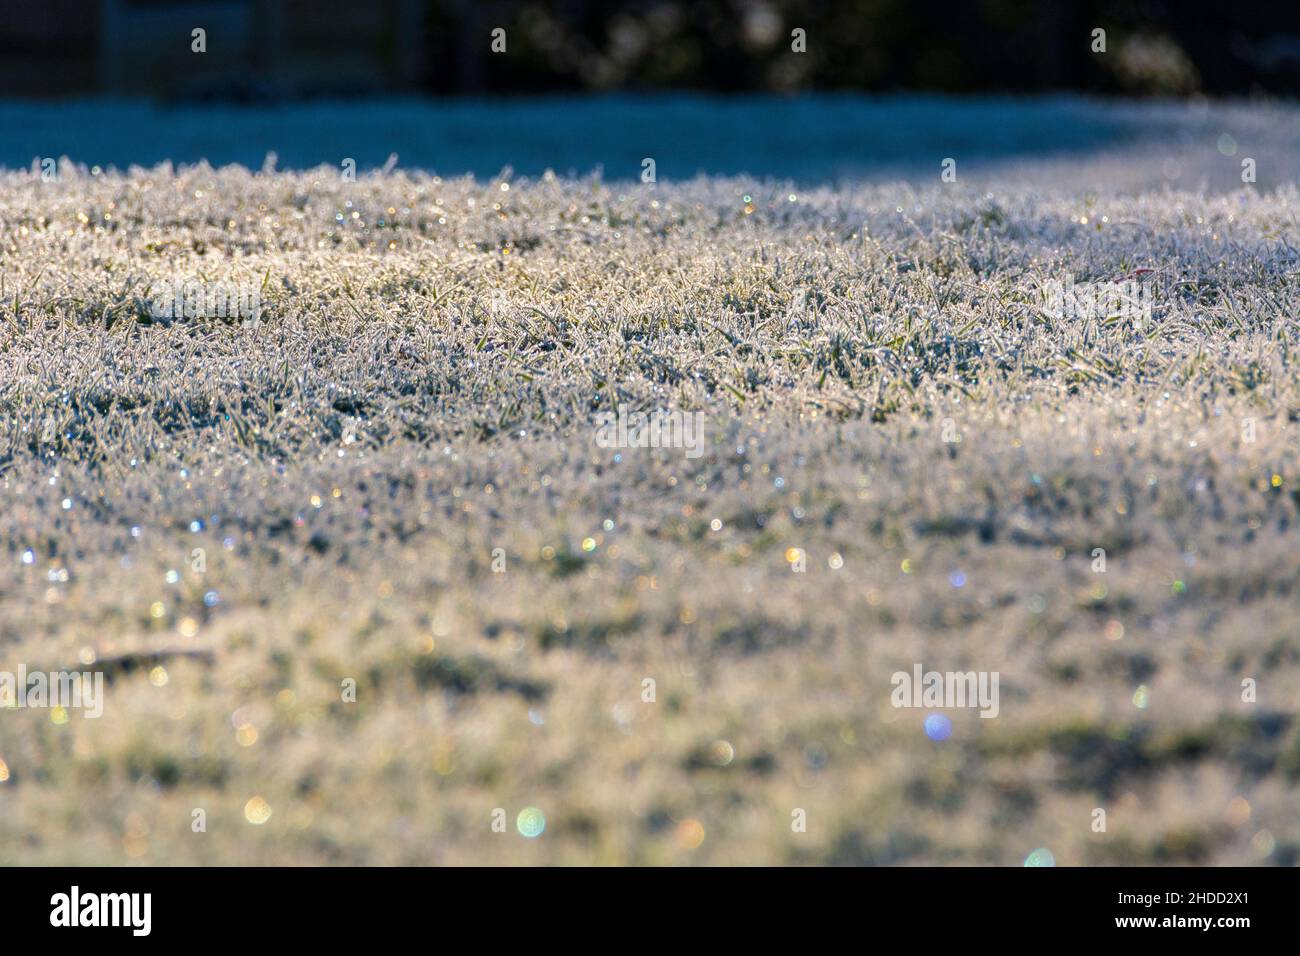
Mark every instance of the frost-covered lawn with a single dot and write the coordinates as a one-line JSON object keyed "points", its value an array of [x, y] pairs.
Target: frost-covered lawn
{"points": [[393, 480]]}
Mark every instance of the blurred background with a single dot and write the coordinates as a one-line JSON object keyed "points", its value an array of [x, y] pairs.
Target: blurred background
{"points": [[809, 90], [283, 49]]}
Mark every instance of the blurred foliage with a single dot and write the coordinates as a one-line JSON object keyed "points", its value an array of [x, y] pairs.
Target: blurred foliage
{"points": [[873, 45], [286, 48]]}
